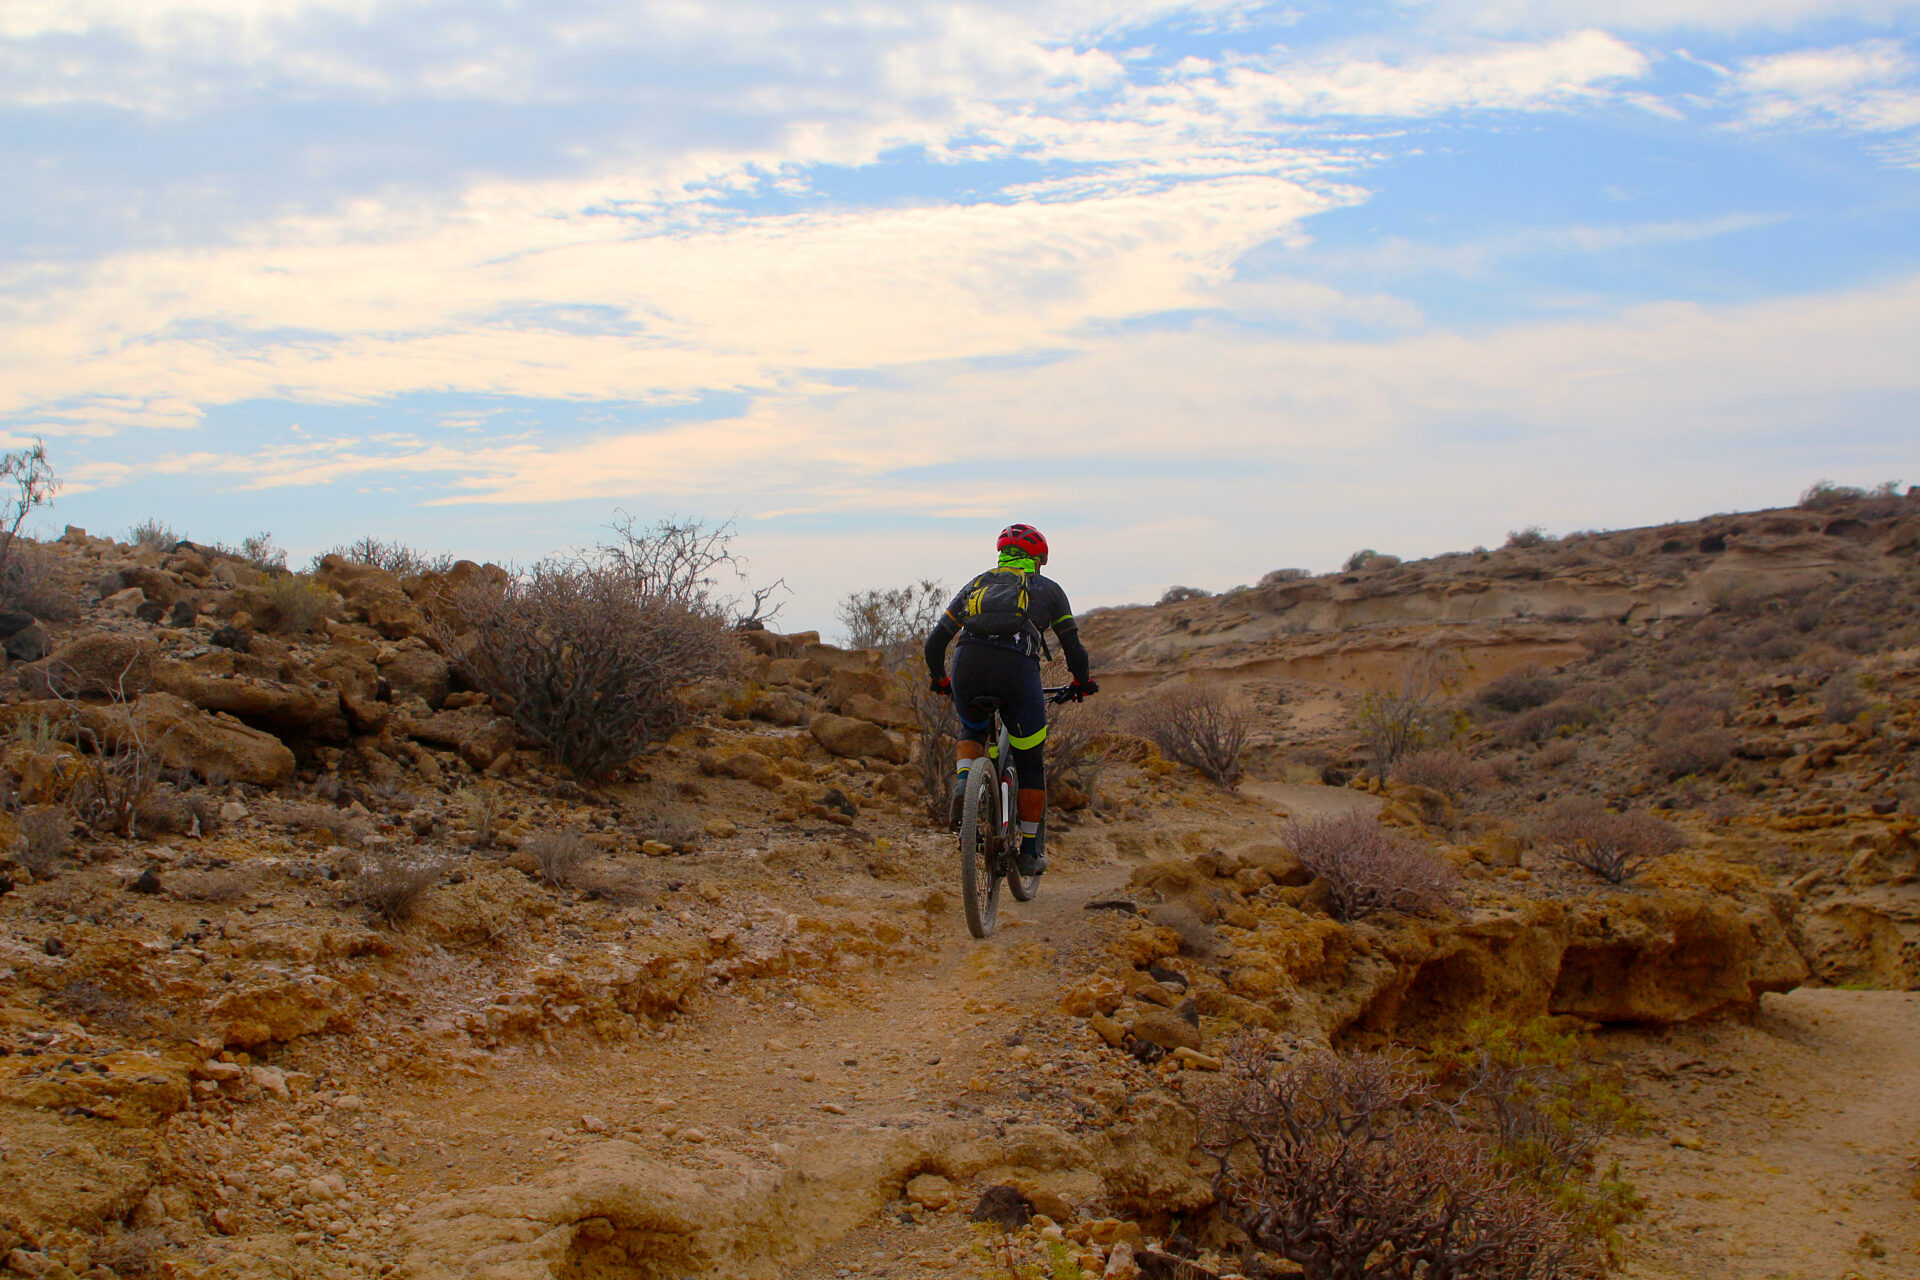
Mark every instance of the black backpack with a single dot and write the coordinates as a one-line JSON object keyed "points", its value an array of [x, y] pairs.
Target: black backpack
{"points": [[996, 605]]}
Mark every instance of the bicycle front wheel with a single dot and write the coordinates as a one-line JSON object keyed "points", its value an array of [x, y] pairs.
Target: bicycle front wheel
{"points": [[979, 850]]}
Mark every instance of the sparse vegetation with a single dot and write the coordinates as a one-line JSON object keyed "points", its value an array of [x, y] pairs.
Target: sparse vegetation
{"points": [[1347, 1166], [1408, 715], [1689, 738], [1520, 690], [484, 812], [46, 836], [396, 558], [896, 620], [1823, 495], [30, 476], [1583, 833], [390, 883], [32, 580], [587, 655], [1178, 595], [297, 602], [1528, 538], [1368, 869], [558, 854], [1076, 747], [1451, 773], [154, 534], [1198, 725]]}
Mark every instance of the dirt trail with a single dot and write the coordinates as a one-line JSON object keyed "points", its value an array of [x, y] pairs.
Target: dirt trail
{"points": [[1784, 1149]]}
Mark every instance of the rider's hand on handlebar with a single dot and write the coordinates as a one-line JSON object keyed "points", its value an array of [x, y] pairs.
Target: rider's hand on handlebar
{"points": [[1083, 688], [940, 684]]}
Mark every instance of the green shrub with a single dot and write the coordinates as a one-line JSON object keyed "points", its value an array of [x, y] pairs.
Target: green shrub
{"points": [[297, 602]]}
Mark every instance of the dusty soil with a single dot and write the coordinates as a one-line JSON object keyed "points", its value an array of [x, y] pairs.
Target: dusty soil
{"points": [[1783, 1149]]}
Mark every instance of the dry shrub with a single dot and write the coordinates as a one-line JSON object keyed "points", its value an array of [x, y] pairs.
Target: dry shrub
{"points": [[390, 884], [1614, 846], [46, 836], [1180, 595], [297, 602], [34, 580], [558, 854], [1528, 538], [1824, 495], [1077, 741], [1450, 773], [1689, 739], [1197, 725], [1541, 723], [1347, 1166], [211, 886], [1407, 716], [1559, 752], [396, 558], [484, 812], [587, 655], [154, 534], [896, 620], [1518, 691], [1369, 869], [115, 784]]}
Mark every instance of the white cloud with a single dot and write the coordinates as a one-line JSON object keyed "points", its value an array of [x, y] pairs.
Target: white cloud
{"points": [[1532, 16], [1871, 87]]}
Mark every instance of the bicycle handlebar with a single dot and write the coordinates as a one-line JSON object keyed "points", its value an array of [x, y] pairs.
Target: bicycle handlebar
{"points": [[1060, 694]]}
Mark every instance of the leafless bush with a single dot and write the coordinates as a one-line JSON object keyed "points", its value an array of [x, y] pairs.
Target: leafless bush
{"points": [[1518, 691], [1346, 1166], [1406, 716], [1369, 869], [1540, 723], [936, 729], [46, 836], [154, 534], [1179, 595], [894, 620], [115, 782], [558, 854], [1614, 846], [1077, 745], [30, 475], [1558, 752], [211, 886], [1689, 739], [33, 580], [1528, 538], [396, 558], [587, 655], [1450, 773], [1823, 495], [390, 884], [297, 602], [1278, 576], [1197, 725]]}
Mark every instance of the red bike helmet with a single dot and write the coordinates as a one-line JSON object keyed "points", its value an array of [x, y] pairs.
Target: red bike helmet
{"points": [[1025, 539]]}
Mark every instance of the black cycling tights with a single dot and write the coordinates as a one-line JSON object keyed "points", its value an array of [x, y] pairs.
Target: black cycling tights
{"points": [[987, 670]]}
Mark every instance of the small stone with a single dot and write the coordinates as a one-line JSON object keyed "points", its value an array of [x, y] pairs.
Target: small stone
{"points": [[1683, 1138], [833, 1108], [349, 1102], [692, 1135], [593, 1124], [721, 829], [655, 848], [234, 811], [930, 1191], [1120, 1263], [148, 881]]}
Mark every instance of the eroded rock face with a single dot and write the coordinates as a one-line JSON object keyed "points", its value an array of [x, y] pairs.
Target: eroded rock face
{"points": [[373, 596]]}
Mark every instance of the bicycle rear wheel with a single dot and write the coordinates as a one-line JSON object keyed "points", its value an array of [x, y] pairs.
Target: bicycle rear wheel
{"points": [[979, 849]]}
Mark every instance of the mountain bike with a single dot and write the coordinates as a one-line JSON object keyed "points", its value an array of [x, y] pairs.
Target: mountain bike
{"points": [[990, 825]]}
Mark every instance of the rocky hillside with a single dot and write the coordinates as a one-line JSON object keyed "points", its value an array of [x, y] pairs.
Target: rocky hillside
{"points": [[350, 978]]}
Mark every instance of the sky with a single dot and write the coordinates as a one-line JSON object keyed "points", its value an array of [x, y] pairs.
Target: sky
{"points": [[1202, 288]]}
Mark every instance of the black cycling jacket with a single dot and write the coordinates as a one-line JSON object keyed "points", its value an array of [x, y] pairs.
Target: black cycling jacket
{"points": [[1047, 607]]}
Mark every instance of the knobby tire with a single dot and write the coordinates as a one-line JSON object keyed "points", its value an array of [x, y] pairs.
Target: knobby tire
{"points": [[979, 823]]}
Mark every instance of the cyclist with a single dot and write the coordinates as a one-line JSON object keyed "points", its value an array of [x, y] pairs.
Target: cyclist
{"points": [[1002, 617]]}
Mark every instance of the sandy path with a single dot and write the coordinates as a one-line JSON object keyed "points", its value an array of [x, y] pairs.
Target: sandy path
{"points": [[1807, 1124]]}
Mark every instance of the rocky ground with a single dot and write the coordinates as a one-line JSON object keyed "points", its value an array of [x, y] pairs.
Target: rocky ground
{"points": [[372, 987]]}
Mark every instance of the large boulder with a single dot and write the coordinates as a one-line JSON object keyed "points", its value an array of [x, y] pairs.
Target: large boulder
{"points": [[863, 706], [437, 593], [348, 668], [417, 673], [100, 664], [373, 596], [845, 736], [214, 682], [216, 747]]}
